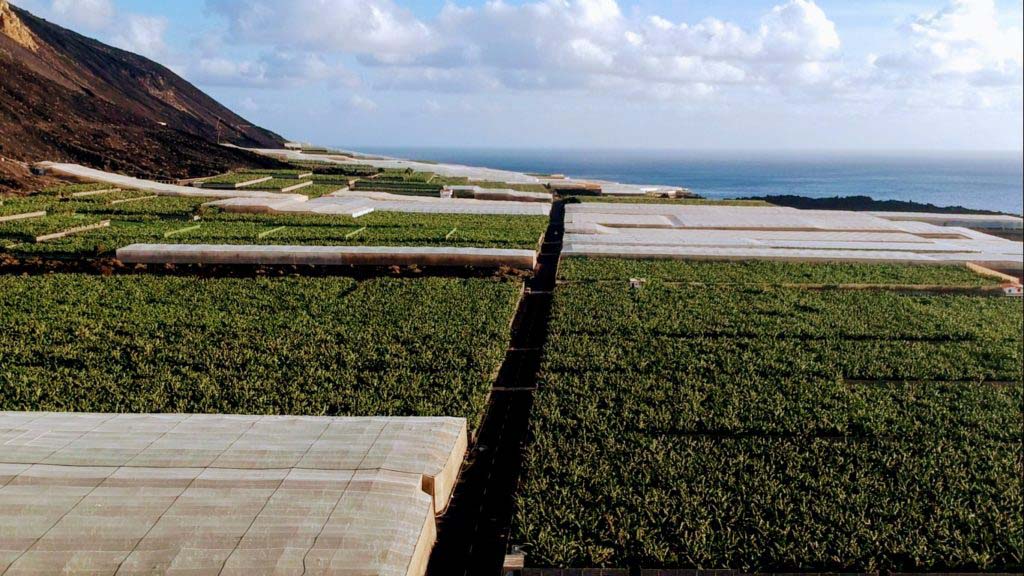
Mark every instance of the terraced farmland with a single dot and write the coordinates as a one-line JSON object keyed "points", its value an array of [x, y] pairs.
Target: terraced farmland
{"points": [[233, 179], [319, 189], [329, 346], [405, 176], [769, 273], [30, 230], [398, 187], [775, 428], [144, 219], [277, 184], [69, 189], [742, 415], [16, 206], [280, 173], [325, 169]]}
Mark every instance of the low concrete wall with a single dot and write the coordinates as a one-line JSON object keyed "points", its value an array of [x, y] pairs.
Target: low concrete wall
{"points": [[95, 193], [70, 231], [298, 186], [25, 216], [235, 185]]}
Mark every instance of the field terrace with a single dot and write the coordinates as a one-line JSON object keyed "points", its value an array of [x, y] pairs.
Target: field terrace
{"points": [[383, 372], [770, 416], [98, 367], [846, 411], [94, 221]]}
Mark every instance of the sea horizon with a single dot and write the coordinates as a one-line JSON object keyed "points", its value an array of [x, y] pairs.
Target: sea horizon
{"points": [[981, 180]]}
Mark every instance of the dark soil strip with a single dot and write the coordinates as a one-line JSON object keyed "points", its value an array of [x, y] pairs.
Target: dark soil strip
{"points": [[473, 535], [739, 335], [979, 382], [993, 290], [725, 572], [111, 267]]}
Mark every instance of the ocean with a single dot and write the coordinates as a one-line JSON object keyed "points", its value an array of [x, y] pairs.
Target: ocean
{"points": [[986, 181]]}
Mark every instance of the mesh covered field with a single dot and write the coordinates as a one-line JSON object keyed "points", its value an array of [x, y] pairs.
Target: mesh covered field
{"points": [[140, 218], [776, 428], [300, 346]]}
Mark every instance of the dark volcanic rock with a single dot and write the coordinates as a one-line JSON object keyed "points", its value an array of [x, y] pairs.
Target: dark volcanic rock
{"points": [[865, 204], [65, 97]]}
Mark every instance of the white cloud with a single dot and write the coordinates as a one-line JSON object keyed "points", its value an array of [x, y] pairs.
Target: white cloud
{"points": [[437, 79], [377, 28], [432, 106], [542, 43], [962, 54], [249, 105], [798, 30], [90, 14], [586, 53], [963, 40], [598, 14], [795, 32], [219, 71], [966, 53], [142, 35], [574, 42], [959, 57], [362, 103], [271, 70]]}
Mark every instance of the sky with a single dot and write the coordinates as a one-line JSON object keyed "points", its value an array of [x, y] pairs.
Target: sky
{"points": [[867, 75]]}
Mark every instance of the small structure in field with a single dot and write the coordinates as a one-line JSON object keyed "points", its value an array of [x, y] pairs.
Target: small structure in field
{"points": [[576, 188], [494, 194]]}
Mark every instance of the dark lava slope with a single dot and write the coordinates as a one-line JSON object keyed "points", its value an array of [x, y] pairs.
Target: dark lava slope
{"points": [[65, 97]]}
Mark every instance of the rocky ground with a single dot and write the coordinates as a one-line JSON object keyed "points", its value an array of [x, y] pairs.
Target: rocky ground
{"points": [[65, 97]]}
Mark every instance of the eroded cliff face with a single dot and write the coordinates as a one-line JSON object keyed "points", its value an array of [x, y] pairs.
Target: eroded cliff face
{"points": [[12, 27], [65, 97]]}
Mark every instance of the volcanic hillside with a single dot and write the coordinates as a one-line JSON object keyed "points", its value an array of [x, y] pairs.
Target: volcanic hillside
{"points": [[65, 97]]}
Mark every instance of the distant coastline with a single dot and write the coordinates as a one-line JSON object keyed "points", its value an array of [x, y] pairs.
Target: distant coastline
{"points": [[866, 203], [982, 182]]}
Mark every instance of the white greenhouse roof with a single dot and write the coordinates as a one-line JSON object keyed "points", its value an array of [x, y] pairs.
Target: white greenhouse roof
{"points": [[772, 233], [297, 255], [353, 203], [130, 494]]}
